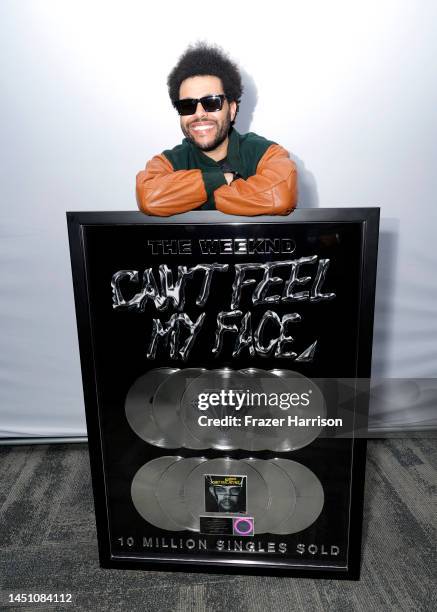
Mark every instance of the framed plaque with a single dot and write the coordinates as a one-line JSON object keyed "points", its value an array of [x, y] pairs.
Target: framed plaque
{"points": [[224, 364]]}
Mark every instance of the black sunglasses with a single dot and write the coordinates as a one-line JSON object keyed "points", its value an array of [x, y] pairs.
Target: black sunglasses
{"points": [[210, 104]]}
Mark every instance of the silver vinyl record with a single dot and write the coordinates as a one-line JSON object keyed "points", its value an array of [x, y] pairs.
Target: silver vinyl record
{"points": [[281, 492], [296, 437], [138, 405], [222, 437], [257, 492], [143, 492], [309, 496], [262, 384], [166, 410], [170, 493]]}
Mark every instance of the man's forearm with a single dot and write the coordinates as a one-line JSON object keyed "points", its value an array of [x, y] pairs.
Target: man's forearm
{"points": [[271, 191], [163, 192]]}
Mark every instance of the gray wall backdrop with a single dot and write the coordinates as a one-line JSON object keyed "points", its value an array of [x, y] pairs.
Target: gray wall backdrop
{"points": [[349, 89]]}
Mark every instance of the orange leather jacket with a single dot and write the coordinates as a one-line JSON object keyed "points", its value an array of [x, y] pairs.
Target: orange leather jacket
{"points": [[163, 190]]}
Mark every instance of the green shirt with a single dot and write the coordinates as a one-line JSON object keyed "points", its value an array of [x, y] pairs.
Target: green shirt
{"points": [[244, 154]]}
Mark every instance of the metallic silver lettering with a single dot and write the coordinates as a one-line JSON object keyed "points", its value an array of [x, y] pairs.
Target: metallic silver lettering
{"points": [[291, 317], [316, 295], [245, 338], [172, 332], [118, 300], [174, 292], [222, 327], [239, 282], [194, 329], [158, 331], [259, 295], [293, 280], [209, 269], [308, 353], [226, 246], [261, 349]]}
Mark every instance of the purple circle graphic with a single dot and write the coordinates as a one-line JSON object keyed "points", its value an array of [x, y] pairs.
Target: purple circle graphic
{"points": [[247, 526]]}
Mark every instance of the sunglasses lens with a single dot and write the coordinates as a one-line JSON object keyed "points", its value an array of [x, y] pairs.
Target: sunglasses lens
{"points": [[211, 104], [186, 107]]}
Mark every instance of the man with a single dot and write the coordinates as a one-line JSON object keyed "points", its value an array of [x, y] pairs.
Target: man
{"points": [[227, 499], [215, 166]]}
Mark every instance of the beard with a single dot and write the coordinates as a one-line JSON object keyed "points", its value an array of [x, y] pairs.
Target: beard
{"points": [[223, 129], [227, 505]]}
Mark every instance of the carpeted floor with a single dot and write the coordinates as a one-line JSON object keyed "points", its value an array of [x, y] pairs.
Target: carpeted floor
{"points": [[48, 543]]}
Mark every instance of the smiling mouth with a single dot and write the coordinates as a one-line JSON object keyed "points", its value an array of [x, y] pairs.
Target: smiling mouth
{"points": [[198, 128]]}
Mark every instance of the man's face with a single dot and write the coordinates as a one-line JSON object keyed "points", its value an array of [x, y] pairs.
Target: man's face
{"points": [[206, 130], [227, 498]]}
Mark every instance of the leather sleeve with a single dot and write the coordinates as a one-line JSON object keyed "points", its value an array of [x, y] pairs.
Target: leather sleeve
{"points": [[162, 191], [271, 191]]}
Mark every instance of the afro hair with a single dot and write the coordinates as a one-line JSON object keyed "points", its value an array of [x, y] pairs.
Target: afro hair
{"points": [[202, 59]]}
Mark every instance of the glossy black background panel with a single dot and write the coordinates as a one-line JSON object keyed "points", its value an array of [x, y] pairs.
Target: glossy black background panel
{"points": [[119, 344], [121, 339]]}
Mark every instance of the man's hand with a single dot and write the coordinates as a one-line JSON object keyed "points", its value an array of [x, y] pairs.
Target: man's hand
{"points": [[271, 191], [229, 177]]}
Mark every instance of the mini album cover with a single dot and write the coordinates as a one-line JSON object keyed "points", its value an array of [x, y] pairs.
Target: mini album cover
{"points": [[225, 494]]}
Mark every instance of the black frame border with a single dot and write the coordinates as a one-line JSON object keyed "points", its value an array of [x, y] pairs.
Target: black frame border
{"points": [[77, 221]]}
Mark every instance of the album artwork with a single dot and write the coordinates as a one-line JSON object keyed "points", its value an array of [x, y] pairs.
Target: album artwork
{"points": [[225, 494], [221, 363]]}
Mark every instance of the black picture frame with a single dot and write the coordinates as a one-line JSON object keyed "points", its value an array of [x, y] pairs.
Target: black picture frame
{"points": [[366, 222]]}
